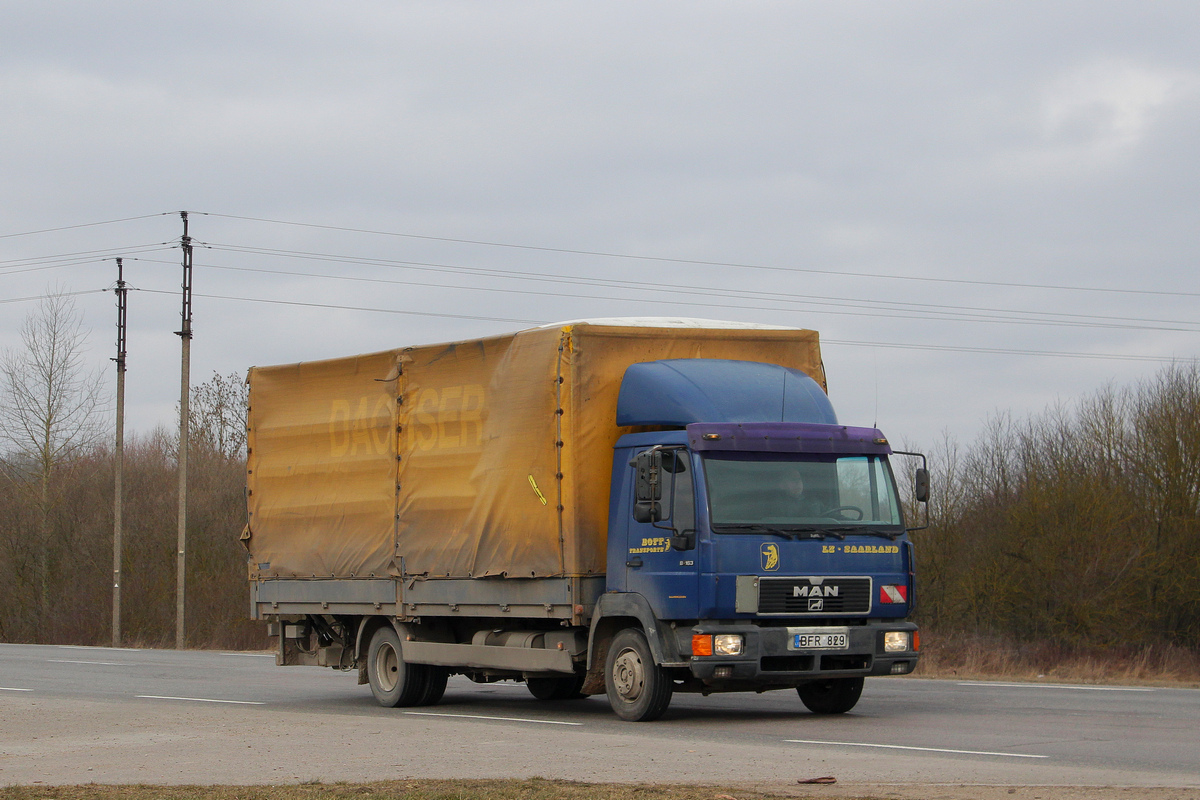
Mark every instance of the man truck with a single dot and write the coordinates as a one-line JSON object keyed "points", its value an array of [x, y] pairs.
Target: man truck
{"points": [[630, 507]]}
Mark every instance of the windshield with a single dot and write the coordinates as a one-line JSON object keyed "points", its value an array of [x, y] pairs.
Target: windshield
{"points": [[828, 491]]}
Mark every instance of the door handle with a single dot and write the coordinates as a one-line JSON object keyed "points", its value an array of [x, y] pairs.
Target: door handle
{"points": [[636, 561]]}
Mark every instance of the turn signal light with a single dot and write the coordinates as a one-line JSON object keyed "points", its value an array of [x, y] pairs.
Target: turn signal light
{"points": [[702, 644]]}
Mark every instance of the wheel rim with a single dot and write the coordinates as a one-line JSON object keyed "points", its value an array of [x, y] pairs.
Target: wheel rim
{"points": [[387, 667], [629, 675]]}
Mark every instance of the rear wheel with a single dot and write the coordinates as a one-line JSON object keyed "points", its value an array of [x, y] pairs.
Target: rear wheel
{"points": [[638, 689], [435, 683], [393, 682], [565, 688], [831, 695]]}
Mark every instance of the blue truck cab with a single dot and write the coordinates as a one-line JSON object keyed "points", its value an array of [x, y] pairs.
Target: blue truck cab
{"points": [[758, 543]]}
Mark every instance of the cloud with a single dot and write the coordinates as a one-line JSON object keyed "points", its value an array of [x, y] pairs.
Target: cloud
{"points": [[1105, 108], [1097, 118]]}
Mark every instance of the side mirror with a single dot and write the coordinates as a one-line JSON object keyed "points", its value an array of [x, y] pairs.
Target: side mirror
{"points": [[647, 486], [922, 485], [649, 475]]}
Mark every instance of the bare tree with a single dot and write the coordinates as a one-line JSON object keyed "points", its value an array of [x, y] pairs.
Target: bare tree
{"points": [[218, 415], [50, 406]]}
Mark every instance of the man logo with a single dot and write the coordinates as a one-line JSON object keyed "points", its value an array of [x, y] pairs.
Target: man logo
{"points": [[816, 604], [770, 557]]}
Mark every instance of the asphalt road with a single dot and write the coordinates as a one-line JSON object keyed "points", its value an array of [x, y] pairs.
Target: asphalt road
{"points": [[74, 715]]}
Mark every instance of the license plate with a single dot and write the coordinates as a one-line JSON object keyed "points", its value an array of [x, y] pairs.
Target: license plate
{"points": [[819, 638]]}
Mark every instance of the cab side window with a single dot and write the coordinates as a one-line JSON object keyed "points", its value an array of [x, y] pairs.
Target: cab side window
{"points": [[677, 476]]}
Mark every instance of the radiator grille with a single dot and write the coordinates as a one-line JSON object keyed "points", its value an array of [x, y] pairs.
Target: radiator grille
{"points": [[816, 596]]}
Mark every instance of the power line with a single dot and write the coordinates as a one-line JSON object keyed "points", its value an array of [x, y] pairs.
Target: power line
{"points": [[629, 256], [56, 294], [846, 342], [1003, 351], [881, 308], [18, 265], [888, 308], [84, 225], [352, 308], [707, 263]]}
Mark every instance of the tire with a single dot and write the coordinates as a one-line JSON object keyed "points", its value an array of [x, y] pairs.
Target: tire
{"points": [[393, 682], [435, 683], [831, 695], [638, 689], [565, 688]]}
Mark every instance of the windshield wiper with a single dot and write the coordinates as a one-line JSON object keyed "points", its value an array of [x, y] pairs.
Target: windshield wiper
{"points": [[813, 531], [789, 531], [751, 527], [869, 530]]}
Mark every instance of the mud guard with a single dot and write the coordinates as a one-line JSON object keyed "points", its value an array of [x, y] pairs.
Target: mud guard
{"points": [[631, 605]]}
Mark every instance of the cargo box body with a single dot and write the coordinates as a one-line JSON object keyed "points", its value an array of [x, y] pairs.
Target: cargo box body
{"points": [[485, 458]]}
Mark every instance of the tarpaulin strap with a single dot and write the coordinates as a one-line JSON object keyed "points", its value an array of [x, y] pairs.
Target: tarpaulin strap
{"points": [[564, 344]]}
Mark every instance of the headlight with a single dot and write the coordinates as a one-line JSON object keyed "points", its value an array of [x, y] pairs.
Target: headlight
{"points": [[896, 642], [727, 644]]}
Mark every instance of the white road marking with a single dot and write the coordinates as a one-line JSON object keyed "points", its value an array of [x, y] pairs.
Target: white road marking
{"points": [[11, 689], [1059, 686], [480, 716], [67, 661], [88, 647], [908, 747], [201, 700], [251, 655]]}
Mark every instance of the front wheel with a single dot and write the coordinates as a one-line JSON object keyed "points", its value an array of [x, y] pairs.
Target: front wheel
{"points": [[638, 689], [831, 695]]}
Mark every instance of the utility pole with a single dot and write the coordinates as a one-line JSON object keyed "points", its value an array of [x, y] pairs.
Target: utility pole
{"points": [[119, 455], [185, 335]]}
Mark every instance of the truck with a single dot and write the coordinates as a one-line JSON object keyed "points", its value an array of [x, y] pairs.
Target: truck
{"points": [[629, 507]]}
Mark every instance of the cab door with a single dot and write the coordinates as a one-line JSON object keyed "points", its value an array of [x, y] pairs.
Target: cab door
{"points": [[667, 577]]}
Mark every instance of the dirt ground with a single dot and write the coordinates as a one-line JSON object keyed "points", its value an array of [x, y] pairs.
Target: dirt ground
{"points": [[962, 792], [537, 789]]}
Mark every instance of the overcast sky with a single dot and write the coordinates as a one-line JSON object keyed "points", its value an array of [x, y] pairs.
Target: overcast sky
{"points": [[982, 207]]}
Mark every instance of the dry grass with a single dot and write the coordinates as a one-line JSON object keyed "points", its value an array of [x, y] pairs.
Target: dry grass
{"points": [[970, 655], [528, 789]]}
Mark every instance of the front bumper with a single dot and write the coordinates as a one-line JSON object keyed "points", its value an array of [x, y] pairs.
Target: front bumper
{"points": [[767, 658]]}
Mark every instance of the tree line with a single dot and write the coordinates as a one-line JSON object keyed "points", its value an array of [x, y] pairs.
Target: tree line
{"points": [[1079, 526], [56, 504]]}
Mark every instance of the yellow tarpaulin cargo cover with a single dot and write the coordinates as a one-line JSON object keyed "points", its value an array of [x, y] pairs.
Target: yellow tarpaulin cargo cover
{"points": [[489, 457]]}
